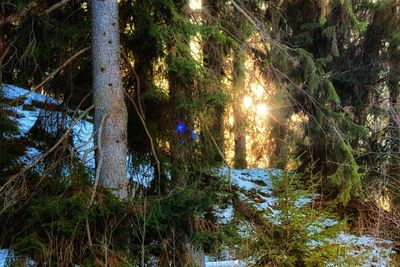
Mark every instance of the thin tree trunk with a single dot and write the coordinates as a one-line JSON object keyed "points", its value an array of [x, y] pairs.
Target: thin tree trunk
{"points": [[394, 123], [239, 127], [213, 60], [110, 112]]}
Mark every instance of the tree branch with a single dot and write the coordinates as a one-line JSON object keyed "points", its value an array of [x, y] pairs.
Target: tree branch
{"points": [[18, 15], [153, 149], [55, 6], [98, 167], [64, 136], [25, 11], [137, 83], [51, 75]]}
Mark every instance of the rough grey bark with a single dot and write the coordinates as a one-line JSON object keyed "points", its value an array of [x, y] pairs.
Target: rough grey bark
{"points": [[108, 96]]}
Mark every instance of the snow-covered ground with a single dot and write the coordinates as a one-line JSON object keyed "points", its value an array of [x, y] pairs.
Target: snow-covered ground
{"points": [[374, 251], [365, 250], [229, 263], [27, 112]]}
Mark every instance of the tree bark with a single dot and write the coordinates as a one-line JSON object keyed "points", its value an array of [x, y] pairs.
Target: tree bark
{"points": [[239, 128], [213, 60], [110, 111]]}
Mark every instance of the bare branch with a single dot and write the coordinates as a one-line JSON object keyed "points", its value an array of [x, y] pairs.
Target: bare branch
{"points": [[153, 150], [137, 83], [25, 11], [55, 6], [35, 162], [98, 167], [17, 16], [51, 75], [140, 112], [68, 61]]}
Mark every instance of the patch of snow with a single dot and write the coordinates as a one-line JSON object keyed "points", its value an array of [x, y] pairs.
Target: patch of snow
{"points": [[26, 118], [373, 251], [224, 215], [3, 256], [27, 115], [18, 93], [252, 179], [230, 263], [369, 251], [376, 251]]}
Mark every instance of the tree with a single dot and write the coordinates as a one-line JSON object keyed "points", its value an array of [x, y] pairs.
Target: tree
{"points": [[110, 122], [239, 116], [241, 29], [214, 56]]}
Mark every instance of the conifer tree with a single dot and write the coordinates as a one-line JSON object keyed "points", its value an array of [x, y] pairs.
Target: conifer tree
{"points": [[214, 57], [110, 123]]}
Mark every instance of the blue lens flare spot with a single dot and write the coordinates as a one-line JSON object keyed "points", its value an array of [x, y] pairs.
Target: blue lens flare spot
{"points": [[194, 136], [180, 127]]}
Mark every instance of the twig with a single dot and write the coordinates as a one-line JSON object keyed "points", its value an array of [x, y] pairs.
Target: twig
{"points": [[96, 182], [256, 24], [88, 232], [51, 75], [153, 150], [64, 136], [222, 156], [7, 50], [18, 15], [55, 6], [85, 155], [137, 83], [98, 167], [140, 112]]}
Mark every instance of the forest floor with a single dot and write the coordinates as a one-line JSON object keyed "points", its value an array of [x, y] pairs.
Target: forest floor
{"points": [[254, 186]]}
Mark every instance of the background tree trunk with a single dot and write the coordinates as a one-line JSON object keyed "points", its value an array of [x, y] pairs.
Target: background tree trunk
{"points": [[239, 127], [213, 61], [110, 112]]}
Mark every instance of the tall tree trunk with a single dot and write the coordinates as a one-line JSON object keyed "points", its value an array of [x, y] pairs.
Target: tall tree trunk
{"points": [[279, 133], [110, 122], [394, 115], [239, 128], [213, 61]]}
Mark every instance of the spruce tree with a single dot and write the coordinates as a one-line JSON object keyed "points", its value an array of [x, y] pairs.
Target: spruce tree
{"points": [[110, 122]]}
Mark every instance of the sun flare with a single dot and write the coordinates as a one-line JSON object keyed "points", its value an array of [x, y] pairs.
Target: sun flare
{"points": [[247, 101], [262, 110], [195, 4]]}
